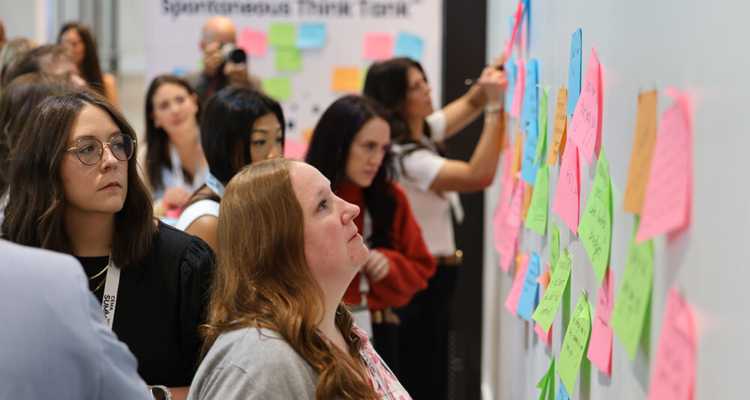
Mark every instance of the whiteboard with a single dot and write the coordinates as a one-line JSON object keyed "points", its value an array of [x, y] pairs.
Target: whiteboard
{"points": [[697, 46], [173, 32]]}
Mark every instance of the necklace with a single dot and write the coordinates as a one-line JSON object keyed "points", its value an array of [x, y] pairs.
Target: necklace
{"points": [[98, 275]]}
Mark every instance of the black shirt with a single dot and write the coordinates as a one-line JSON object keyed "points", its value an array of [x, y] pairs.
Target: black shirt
{"points": [[161, 302]]}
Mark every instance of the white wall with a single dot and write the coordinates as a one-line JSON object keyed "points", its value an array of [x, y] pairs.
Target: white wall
{"points": [[692, 45]]}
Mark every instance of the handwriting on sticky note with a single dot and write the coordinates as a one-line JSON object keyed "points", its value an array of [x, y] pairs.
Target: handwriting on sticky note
{"points": [[253, 41], [554, 243], [515, 109], [511, 228], [567, 195], [278, 88], [640, 156], [537, 216], [311, 36], [586, 122], [600, 347], [574, 70], [527, 302], [408, 45], [545, 312], [282, 35], [288, 59], [574, 344], [511, 302], [595, 228], [530, 110], [529, 168], [541, 142], [666, 206], [377, 46], [629, 314], [560, 127], [673, 377], [345, 79]]}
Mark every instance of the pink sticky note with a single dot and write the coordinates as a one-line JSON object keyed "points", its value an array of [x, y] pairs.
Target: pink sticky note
{"points": [[666, 206], [253, 41], [295, 149], [586, 125], [600, 345], [503, 204], [543, 280], [377, 46], [515, 108], [511, 227], [516, 25], [567, 195], [511, 303], [673, 377]]}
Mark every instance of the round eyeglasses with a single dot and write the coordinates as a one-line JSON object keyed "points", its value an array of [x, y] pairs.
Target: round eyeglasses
{"points": [[90, 150]]}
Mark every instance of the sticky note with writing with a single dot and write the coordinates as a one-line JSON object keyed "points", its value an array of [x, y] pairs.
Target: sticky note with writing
{"points": [[562, 394], [282, 35], [543, 280], [554, 246], [530, 110], [253, 41], [585, 126], [408, 45], [537, 216], [517, 155], [600, 347], [667, 204], [529, 167], [510, 74], [515, 108], [545, 312], [311, 36], [595, 228], [541, 142], [560, 128], [503, 204], [511, 228], [527, 302], [640, 155], [568, 193], [377, 46], [574, 70], [528, 194], [511, 302], [574, 344], [628, 316], [673, 377], [514, 32]]}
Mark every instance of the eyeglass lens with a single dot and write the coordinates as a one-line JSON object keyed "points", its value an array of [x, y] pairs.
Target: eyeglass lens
{"points": [[90, 150]]}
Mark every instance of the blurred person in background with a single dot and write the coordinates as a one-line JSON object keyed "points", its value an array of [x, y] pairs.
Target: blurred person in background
{"points": [[49, 59], [77, 37], [13, 48]]}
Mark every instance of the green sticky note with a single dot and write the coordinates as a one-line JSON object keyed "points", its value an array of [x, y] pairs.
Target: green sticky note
{"points": [[288, 60], [545, 312], [595, 228], [554, 247], [536, 218], [363, 77], [547, 380], [282, 35], [631, 307], [574, 344], [278, 88], [551, 378], [541, 142]]}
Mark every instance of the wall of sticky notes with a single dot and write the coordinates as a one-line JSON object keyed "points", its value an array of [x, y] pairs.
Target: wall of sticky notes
{"points": [[632, 206], [306, 53]]}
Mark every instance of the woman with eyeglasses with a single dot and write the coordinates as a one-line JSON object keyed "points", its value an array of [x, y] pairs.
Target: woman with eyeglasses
{"points": [[432, 182], [74, 188], [239, 126], [288, 249], [350, 147]]}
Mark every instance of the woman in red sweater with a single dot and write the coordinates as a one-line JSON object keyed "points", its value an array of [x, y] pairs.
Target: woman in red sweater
{"points": [[350, 147]]}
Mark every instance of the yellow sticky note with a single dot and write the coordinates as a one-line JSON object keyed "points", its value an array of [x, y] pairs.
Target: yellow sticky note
{"points": [[345, 79]]}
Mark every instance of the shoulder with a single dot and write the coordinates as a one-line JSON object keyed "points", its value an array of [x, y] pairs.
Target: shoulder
{"points": [[195, 212], [44, 266], [192, 249], [109, 79]]}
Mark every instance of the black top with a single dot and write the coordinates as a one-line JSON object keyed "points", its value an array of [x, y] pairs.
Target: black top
{"points": [[161, 302]]}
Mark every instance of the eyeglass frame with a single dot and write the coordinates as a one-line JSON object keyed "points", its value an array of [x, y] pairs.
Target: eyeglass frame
{"points": [[109, 144]]}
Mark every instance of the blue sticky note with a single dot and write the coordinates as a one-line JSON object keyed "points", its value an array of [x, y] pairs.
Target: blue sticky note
{"points": [[530, 108], [527, 302], [408, 45], [510, 74], [562, 394], [527, 17], [574, 71], [528, 166], [311, 36]]}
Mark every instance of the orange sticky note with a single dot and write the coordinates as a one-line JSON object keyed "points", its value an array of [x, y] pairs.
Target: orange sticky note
{"points": [[673, 377], [511, 302], [511, 228], [640, 155], [517, 154], [600, 345], [667, 204], [527, 194], [515, 109], [345, 79], [586, 124], [561, 127], [568, 193]]}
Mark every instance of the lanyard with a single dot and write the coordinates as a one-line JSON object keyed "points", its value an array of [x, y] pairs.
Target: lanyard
{"points": [[376, 373], [215, 184], [179, 179], [111, 287]]}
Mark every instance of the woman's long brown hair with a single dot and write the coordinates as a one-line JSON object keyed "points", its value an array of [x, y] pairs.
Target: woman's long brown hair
{"points": [[90, 68], [263, 279]]}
